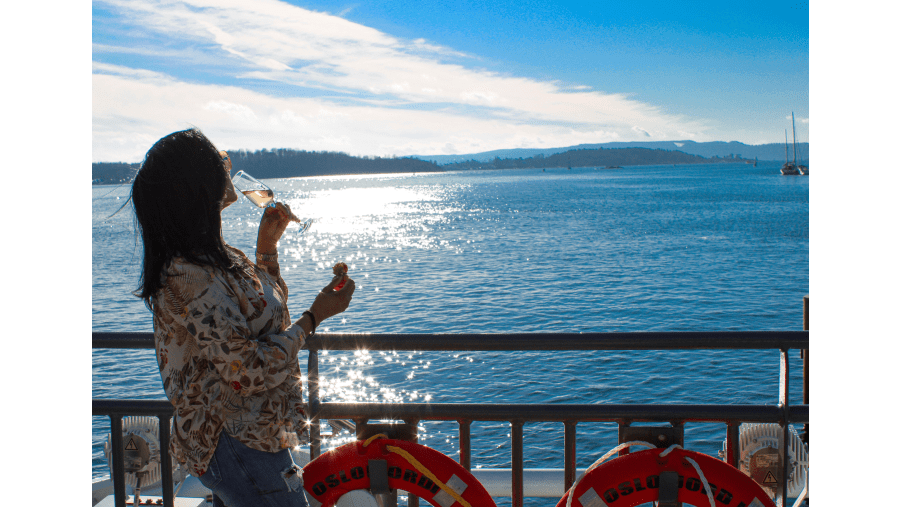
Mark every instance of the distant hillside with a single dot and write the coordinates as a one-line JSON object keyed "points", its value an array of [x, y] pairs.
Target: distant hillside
{"points": [[709, 150], [284, 163], [113, 172], [601, 157]]}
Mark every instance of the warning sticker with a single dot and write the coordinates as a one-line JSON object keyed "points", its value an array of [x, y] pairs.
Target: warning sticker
{"points": [[770, 479], [131, 447]]}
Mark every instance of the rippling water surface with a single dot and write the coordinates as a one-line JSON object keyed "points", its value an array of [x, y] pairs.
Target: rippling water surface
{"points": [[705, 247]]}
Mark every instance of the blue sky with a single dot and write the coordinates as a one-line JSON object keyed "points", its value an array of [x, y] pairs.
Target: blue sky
{"points": [[428, 77]]}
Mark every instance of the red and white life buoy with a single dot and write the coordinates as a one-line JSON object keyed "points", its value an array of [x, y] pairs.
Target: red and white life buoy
{"points": [[420, 470], [634, 479]]}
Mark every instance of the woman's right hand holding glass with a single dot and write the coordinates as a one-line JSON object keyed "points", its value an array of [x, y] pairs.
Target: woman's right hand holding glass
{"points": [[274, 221]]}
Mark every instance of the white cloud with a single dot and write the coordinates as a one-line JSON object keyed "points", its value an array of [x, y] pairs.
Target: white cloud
{"points": [[640, 131], [354, 89]]}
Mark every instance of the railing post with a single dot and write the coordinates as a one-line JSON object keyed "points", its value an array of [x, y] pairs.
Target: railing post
{"points": [[518, 484], [784, 402], [465, 444], [413, 500], [315, 439], [168, 492], [732, 443], [569, 445], [118, 457], [623, 424], [805, 355]]}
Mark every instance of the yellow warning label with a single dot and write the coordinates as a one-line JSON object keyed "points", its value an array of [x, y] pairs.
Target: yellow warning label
{"points": [[131, 447], [770, 479]]}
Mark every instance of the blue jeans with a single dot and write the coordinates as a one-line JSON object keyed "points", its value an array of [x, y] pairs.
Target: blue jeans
{"points": [[243, 477]]}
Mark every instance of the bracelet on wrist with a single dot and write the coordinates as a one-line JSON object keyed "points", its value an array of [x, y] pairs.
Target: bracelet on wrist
{"points": [[312, 318], [267, 257]]}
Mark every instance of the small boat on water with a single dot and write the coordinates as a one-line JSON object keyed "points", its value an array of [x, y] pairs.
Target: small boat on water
{"points": [[792, 168]]}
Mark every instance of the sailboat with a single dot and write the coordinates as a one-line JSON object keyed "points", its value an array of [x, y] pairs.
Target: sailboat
{"points": [[790, 168], [804, 170]]}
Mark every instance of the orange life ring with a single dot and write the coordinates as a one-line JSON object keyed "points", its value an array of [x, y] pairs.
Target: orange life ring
{"points": [[420, 470], [633, 479]]}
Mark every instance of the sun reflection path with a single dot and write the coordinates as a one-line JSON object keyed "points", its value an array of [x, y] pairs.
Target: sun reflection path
{"points": [[376, 226], [346, 378]]}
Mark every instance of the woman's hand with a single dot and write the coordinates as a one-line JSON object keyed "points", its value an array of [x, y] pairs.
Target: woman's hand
{"points": [[331, 302], [274, 221]]}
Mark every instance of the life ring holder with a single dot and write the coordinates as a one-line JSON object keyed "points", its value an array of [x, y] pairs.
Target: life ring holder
{"points": [[634, 479], [418, 469]]}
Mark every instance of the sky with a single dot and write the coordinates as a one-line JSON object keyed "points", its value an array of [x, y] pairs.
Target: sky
{"points": [[398, 78]]}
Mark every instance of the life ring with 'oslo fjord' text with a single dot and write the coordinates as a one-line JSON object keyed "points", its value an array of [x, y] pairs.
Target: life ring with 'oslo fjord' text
{"points": [[420, 470], [634, 479]]}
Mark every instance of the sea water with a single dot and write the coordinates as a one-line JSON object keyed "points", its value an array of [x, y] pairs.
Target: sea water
{"points": [[713, 247]]}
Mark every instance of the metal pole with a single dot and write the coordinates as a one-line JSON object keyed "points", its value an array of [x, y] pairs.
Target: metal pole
{"points": [[118, 449], [465, 444], [413, 500], [623, 424], [784, 402], [518, 484], [168, 493], [805, 355], [569, 445], [315, 439], [732, 443]]}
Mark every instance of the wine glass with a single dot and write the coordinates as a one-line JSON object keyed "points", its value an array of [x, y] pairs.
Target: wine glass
{"points": [[262, 196]]}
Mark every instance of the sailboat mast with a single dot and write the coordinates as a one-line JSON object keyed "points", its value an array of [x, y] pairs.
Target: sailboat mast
{"points": [[786, 159], [794, 128]]}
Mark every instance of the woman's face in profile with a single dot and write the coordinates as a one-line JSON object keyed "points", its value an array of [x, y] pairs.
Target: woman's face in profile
{"points": [[230, 193]]}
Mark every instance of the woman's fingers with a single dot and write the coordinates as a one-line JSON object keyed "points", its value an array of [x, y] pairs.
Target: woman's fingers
{"points": [[333, 283], [271, 227], [286, 212], [331, 302], [290, 214], [281, 213]]}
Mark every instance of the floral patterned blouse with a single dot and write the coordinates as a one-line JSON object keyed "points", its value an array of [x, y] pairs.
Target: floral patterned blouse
{"points": [[227, 353]]}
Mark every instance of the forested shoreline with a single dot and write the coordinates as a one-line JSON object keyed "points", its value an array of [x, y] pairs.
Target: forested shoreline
{"points": [[287, 163], [602, 157]]}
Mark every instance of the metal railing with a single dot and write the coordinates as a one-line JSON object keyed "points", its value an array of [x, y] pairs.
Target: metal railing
{"points": [[516, 414]]}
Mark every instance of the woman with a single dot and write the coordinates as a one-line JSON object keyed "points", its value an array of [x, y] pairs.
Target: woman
{"points": [[225, 344]]}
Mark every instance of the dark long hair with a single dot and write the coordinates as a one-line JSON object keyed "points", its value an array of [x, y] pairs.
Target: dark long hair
{"points": [[177, 196]]}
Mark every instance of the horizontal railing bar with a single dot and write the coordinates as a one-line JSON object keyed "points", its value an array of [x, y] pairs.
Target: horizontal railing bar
{"points": [[506, 412], [682, 340], [123, 340], [132, 407], [562, 412], [565, 341]]}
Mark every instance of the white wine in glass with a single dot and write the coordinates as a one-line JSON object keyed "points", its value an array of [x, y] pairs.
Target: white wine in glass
{"points": [[262, 196]]}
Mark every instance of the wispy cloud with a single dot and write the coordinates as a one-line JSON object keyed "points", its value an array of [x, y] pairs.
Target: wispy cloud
{"points": [[347, 10], [342, 85], [797, 119]]}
